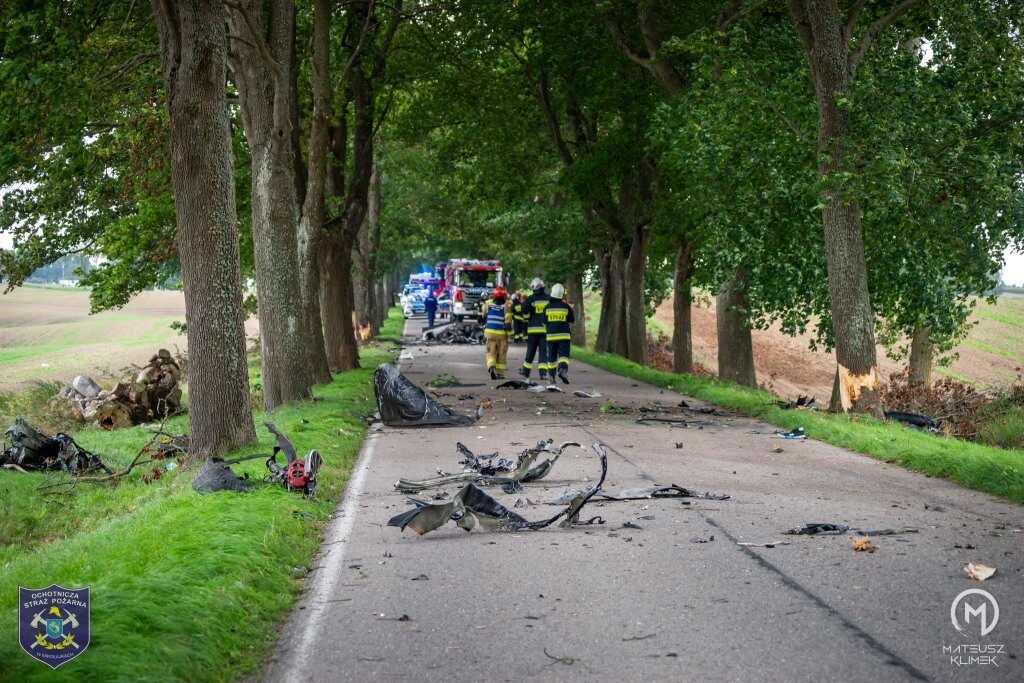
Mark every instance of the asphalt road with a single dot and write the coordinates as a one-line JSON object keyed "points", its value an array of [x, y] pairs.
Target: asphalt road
{"points": [[614, 603]]}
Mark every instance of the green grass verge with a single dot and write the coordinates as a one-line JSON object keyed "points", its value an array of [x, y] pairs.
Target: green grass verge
{"points": [[993, 470], [184, 586]]}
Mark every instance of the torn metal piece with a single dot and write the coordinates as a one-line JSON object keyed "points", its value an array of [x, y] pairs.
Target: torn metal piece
{"points": [[403, 404], [28, 449], [672, 422], [516, 384], [795, 434], [671, 491], [541, 388], [471, 507], [814, 528], [587, 394], [217, 476]]}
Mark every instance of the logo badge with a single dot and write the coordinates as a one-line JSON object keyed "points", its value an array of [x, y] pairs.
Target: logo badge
{"points": [[975, 616], [53, 623]]}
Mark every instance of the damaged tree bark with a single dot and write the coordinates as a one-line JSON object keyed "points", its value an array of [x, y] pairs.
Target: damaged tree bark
{"points": [[193, 47]]}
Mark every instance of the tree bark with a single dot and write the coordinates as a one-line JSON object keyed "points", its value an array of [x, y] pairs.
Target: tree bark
{"points": [[313, 210], [574, 289], [613, 307], [604, 267], [262, 72], [193, 50], [634, 286], [921, 349], [735, 345], [336, 303], [825, 36], [682, 300]]}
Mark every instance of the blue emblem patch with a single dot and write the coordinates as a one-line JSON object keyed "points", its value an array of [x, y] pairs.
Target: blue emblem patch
{"points": [[53, 623]]}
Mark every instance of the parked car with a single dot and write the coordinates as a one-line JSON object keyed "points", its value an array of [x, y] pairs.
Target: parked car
{"points": [[412, 304]]}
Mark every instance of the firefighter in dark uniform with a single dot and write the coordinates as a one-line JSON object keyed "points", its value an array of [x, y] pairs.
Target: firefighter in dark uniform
{"points": [[536, 330], [558, 315], [519, 317]]}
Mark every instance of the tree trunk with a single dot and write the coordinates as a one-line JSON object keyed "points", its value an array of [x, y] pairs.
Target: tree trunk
{"points": [[921, 355], [264, 92], [602, 341], [822, 29], [193, 47], [735, 345], [634, 286], [682, 300], [618, 340], [313, 212], [336, 303], [574, 289]]}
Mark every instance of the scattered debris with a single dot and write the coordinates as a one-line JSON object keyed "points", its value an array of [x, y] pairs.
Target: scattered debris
{"points": [[152, 393], [472, 507], [296, 475], [979, 571], [863, 544], [679, 444], [26, 449], [806, 402], [701, 539], [778, 449], [403, 404], [797, 433], [466, 332], [217, 476], [541, 388], [671, 491], [586, 394], [916, 420], [515, 384], [670, 421], [770, 544], [815, 528], [483, 471], [421, 577]]}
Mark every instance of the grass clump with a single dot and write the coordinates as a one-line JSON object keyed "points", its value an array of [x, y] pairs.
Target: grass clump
{"points": [[974, 465], [185, 586]]}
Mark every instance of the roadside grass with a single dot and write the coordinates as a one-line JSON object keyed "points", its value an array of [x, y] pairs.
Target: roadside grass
{"points": [[985, 468], [184, 586], [393, 327]]}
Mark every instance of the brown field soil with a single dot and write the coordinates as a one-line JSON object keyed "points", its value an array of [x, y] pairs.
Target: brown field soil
{"points": [[47, 334], [989, 357]]}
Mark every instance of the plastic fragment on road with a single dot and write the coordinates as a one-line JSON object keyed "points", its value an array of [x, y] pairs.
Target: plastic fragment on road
{"points": [[516, 384], [814, 528], [579, 393], [795, 434], [979, 571], [403, 404], [471, 508]]}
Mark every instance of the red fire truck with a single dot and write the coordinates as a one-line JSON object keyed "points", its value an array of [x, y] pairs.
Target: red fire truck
{"points": [[468, 282]]}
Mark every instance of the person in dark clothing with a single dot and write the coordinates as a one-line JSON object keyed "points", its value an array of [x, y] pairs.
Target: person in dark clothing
{"points": [[536, 330], [559, 316], [519, 317], [430, 306]]}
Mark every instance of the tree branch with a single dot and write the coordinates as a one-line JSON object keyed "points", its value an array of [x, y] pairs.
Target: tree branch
{"points": [[544, 96], [262, 48], [879, 26]]}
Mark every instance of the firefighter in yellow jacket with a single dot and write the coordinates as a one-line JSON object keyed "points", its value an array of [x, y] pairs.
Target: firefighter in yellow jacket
{"points": [[559, 317], [497, 325]]}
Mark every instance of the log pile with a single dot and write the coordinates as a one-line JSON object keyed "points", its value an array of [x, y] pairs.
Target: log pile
{"points": [[152, 394]]}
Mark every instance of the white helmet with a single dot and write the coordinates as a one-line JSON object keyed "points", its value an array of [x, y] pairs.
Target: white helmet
{"points": [[536, 283], [558, 291]]}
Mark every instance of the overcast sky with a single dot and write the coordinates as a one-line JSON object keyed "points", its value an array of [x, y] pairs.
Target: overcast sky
{"points": [[1013, 272]]}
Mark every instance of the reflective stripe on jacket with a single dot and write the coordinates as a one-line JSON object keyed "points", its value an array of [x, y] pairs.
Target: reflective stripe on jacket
{"points": [[535, 305], [496, 318], [558, 317]]}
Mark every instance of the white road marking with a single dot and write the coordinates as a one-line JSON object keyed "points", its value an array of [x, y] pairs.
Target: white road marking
{"points": [[331, 570]]}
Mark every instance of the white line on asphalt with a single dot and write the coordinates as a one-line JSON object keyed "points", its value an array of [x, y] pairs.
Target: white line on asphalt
{"points": [[331, 571]]}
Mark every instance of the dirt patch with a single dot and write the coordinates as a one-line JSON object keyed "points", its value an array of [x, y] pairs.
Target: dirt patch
{"points": [[48, 335], [787, 366]]}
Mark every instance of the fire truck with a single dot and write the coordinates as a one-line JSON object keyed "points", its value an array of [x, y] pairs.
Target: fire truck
{"points": [[469, 282]]}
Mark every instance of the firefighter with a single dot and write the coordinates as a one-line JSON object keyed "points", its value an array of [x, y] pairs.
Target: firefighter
{"points": [[519, 317], [497, 324], [535, 330], [558, 316]]}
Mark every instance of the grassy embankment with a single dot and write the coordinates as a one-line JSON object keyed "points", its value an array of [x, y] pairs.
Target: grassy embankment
{"points": [[985, 468], [184, 586]]}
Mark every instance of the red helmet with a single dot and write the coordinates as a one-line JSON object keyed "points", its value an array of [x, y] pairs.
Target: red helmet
{"points": [[499, 292]]}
